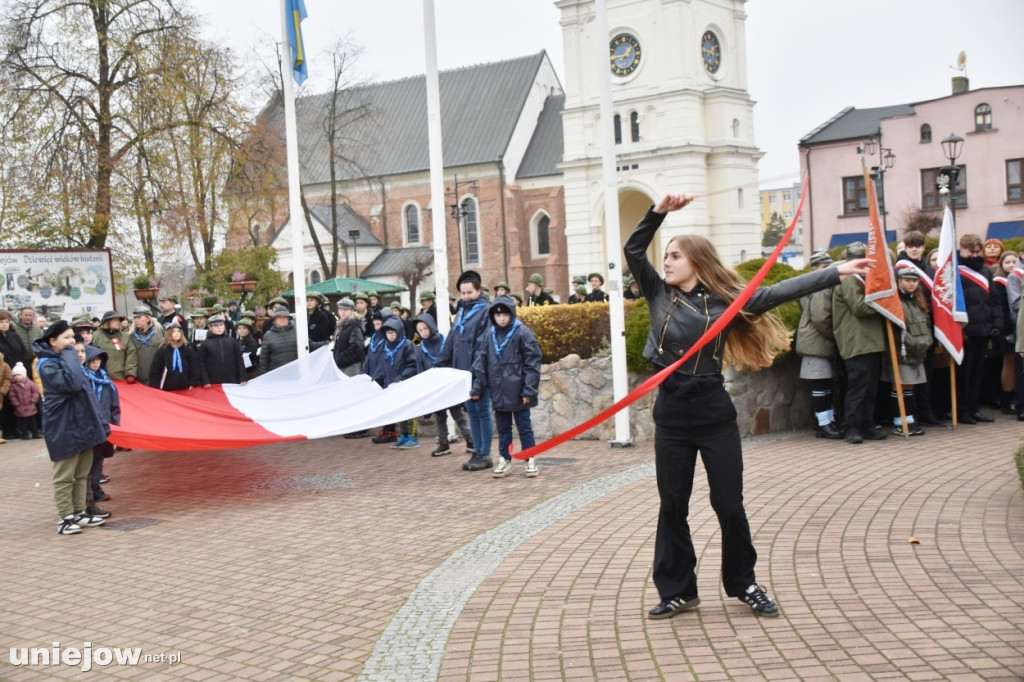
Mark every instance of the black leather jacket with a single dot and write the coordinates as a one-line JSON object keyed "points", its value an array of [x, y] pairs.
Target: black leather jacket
{"points": [[679, 319]]}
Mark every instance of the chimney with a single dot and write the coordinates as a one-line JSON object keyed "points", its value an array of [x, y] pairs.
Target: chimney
{"points": [[960, 84]]}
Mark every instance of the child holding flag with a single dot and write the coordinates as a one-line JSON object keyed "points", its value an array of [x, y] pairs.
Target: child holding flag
{"points": [[913, 345]]}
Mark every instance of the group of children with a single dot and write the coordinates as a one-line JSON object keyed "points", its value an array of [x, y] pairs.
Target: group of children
{"points": [[486, 340]]}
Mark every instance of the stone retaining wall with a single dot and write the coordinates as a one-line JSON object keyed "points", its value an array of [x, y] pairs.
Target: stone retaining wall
{"points": [[573, 390]]}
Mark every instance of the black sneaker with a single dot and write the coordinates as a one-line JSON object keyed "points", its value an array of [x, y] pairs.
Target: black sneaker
{"points": [[96, 510], [671, 607], [757, 599], [830, 431], [442, 449], [478, 462]]}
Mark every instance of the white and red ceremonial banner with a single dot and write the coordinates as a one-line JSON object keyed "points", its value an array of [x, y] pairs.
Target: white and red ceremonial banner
{"points": [[948, 307], [880, 291], [305, 399]]}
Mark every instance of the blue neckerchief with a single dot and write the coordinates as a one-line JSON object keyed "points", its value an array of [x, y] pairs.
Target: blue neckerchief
{"points": [[508, 337], [98, 379], [426, 351], [463, 317], [374, 347], [145, 341], [389, 355], [176, 361]]}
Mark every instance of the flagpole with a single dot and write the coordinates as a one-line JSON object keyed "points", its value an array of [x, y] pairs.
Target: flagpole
{"points": [[613, 241], [896, 380], [438, 219], [952, 360], [296, 216]]}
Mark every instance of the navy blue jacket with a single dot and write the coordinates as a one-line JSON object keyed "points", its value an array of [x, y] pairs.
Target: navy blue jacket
{"points": [[466, 338], [102, 386], [71, 415], [429, 349], [508, 363], [398, 359], [175, 380]]}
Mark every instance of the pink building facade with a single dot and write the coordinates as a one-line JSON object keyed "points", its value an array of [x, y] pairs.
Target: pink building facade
{"points": [[989, 197]]}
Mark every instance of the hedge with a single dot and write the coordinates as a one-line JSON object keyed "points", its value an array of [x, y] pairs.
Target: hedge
{"points": [[1019, 459]]}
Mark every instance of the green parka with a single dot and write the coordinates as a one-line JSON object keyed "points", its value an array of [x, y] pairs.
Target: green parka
{"points": [[814, 335], [858, 328], [915, 341]]}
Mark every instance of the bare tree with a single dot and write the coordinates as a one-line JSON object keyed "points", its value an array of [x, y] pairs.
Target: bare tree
{"points": [[413, 274], [82, 58], [344, 108]]}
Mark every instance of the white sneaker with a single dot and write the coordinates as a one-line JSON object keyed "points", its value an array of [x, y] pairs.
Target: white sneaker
{"points": [[67, 526], [503, 469], [87, 520], [531, 468]]}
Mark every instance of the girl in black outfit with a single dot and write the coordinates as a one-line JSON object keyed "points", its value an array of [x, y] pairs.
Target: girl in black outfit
{"points": [[693, 412], [175, 366]]}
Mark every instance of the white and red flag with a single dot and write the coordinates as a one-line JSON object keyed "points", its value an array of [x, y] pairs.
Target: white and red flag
{"points": [[305, 399], [948, 306]]}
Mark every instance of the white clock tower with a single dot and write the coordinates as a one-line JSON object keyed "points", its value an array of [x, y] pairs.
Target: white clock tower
{"points": [[683, 122]]}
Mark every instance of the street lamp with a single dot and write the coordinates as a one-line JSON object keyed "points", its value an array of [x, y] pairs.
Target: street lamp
{"points": [[354, 236], [886, 160], [459, 213], [948, 177]]}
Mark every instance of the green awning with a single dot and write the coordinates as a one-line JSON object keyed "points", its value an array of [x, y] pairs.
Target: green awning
{"points": [[346, 286]]}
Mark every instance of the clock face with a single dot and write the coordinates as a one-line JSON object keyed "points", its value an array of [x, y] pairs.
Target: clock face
{"points": [[625, 54], [711, 51]]}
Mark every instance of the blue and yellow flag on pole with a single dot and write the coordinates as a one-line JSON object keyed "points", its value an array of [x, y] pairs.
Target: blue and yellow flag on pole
{"points": [[296, 12]]}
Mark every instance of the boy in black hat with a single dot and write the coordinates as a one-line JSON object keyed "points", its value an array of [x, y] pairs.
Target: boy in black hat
{"points": [[71, 423]]}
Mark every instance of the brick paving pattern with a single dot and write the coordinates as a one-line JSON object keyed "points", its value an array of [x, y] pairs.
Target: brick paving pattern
{"points": [[302, 561]]}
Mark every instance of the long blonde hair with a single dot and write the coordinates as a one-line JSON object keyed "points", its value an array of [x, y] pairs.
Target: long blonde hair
{"points": [[755, 339]]}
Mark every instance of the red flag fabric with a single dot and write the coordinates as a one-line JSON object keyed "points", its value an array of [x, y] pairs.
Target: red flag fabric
{"points": [[880, 291], [948, 307]]}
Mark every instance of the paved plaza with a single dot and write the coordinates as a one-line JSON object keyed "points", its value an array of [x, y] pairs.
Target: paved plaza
{"points": [[339, 559]]}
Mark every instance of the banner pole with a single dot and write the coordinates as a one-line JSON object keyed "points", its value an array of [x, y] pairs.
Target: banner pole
{"points": [[897, 382]]}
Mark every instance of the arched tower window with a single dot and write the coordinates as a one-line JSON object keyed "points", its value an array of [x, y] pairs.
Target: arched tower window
{"points": [[634, 126], [314, 277], [541, 240], [735, 127], [618, 129], [926, 133], [412, 224]]}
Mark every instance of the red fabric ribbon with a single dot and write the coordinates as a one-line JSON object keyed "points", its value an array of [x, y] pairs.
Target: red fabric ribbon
{"points": [[720, 324]]}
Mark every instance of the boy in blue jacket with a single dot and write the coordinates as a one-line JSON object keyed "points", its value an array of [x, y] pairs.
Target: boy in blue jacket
{"points": [[110, 413], [399, 364], [71, 425], [431, 344], [468, 336], [508, 366], [373, 367]]}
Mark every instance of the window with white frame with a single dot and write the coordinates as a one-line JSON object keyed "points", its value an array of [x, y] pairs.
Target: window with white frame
{"points": [[540, 237], [411, 217], [982, 117]]}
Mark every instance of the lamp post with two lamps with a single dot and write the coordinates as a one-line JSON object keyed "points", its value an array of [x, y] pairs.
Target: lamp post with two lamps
{"points": [[459, 213], [886, 160]]}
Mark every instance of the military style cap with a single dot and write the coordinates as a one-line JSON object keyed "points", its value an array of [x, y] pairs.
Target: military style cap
{"points": [[360, 296], [821, 258], [596, 274], [199, 312], [502, 285], [216, 319], [536, 279], [277, 299], [855, 250], [581, 290], [217, 308], [168, 297], [578, 279], [279, 311], [347, 303], [81, 321], [427, 295], [141, 310], [112, 315]]}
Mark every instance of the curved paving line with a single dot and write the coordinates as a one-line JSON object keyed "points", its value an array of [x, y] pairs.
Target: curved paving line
{"points": [[413, 644]]}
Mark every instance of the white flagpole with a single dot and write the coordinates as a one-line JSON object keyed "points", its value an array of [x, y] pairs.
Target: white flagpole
{"points": [[296, 217], [438, 215], [617, 318]]}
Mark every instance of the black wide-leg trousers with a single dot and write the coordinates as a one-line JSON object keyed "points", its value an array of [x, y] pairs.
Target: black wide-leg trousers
{"points": [[704, 423]]}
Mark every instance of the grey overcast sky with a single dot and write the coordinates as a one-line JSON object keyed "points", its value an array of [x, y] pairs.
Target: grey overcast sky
{"points": [[806, 59]]}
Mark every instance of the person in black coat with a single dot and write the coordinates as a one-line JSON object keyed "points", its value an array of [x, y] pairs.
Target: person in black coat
{"points": [[250, 346], [175, 366], [596, 294], [321, 323], [13, 351], [220, 357], [72, 425], [535, 294], [984, 322], [349, 344]]}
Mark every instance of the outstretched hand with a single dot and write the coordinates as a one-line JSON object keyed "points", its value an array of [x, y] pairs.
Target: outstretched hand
{"points": [[673, 201], [857, 266]]}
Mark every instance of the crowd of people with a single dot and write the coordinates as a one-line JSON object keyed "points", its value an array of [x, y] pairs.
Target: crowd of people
{"points": [[846, 355], [841, 340]]}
